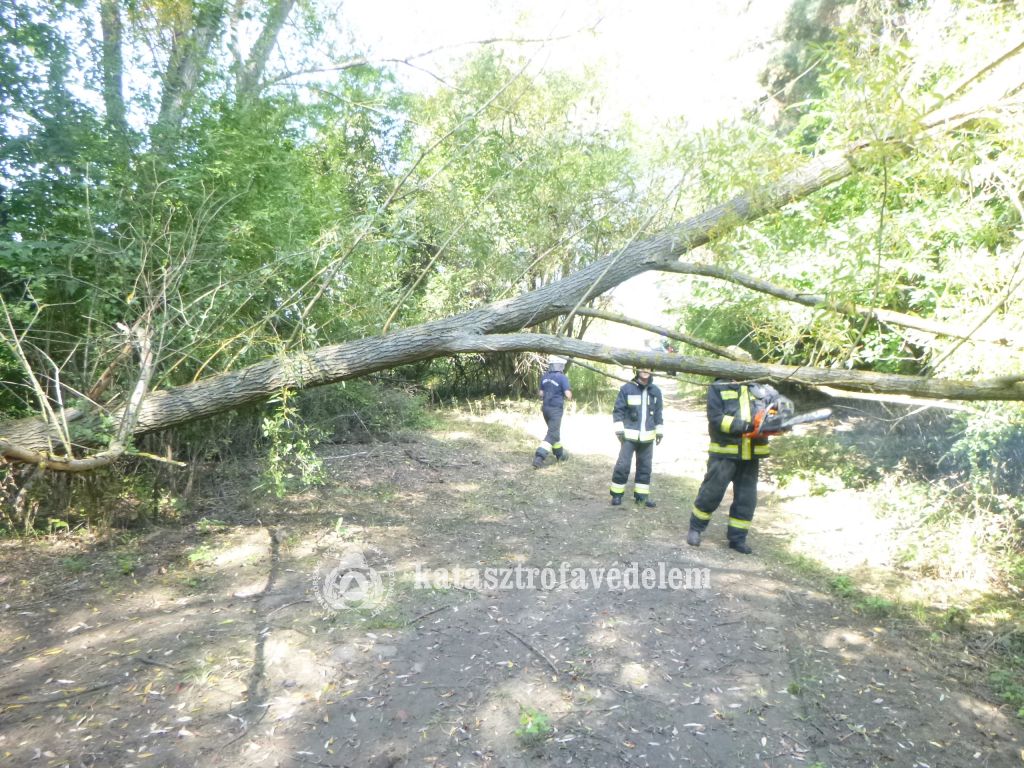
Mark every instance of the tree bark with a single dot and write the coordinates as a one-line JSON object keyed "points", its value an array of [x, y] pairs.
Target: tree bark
{"points": [[113, 66], [492, 327], [252, 70], [190, 50]]}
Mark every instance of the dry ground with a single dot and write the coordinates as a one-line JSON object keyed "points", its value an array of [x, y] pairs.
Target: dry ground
{"points": [[207, 646]]}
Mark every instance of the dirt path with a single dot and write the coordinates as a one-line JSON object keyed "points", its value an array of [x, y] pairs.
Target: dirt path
{"points": [[207, 646]]}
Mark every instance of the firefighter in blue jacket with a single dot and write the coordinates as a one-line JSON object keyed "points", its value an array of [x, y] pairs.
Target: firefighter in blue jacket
{"points": [[741, 416], [638, 425], [555, 390]]}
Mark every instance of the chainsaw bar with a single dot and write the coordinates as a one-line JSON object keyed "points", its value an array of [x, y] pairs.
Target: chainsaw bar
{"points": [[806, 418]]}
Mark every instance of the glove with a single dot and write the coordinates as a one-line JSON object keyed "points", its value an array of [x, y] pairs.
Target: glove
{"points": [[765, 425], [657, 440], [621, 436], [754, 428]]}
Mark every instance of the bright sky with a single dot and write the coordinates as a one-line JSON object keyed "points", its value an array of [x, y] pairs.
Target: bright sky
{"points": [[658, 59]]}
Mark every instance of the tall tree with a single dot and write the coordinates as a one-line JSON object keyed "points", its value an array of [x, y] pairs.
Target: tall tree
{"points": [[252, 68], [113, 66], [193, 33]]}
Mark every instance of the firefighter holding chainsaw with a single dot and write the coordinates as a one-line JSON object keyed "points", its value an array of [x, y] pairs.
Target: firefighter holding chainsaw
{"points": [[741, 417]]}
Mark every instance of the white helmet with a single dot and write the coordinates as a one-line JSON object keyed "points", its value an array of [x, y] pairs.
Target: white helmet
{"points": [[556, 363]]}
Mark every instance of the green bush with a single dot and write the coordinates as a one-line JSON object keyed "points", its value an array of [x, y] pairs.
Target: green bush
{"points": [[1008, 682], [357, 411], [989, 454], [473, 376], [591, 388], [824, 461], [842, 585], [876, 607], [534, 726], [291, 461], [127, 494]]}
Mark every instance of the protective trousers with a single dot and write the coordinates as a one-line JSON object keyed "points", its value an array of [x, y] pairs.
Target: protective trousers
{"points": [[644, 459], [722, 471], [553, 439]]}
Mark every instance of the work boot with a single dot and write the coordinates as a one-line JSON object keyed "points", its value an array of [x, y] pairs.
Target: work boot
{"points": [[645, 501], [616, 499], [538, 462], [693, 537], [741, 547], [563, 455]]}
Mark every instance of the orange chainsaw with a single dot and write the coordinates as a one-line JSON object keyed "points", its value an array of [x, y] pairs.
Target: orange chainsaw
{"points": [[769, 422]]}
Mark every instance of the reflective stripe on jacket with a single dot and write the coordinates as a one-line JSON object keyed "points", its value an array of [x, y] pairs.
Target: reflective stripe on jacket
{"points": [[731, 409], [637, 412]]}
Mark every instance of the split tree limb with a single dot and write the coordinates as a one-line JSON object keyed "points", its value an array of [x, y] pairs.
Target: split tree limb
{"points": [[819, 301], [686, 338]]}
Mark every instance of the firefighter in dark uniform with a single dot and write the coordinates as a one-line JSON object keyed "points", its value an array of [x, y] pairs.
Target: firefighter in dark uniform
{"points": [[638, 425], [741, 416], [555, 390]]}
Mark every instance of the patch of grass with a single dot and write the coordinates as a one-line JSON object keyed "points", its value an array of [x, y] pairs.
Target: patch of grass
{"points": [[366, 619], [1007, 681], [842, 585], [957, 618], [534, 726], [203, 672], [958, 534], [383, 620], [126, 538], [55, 525], [201, 555], [907, 555], [878, 607], [75, 564], [207, 526], [125, 564], [341, 528], [805, 566], [384, 492], [193, 582]]}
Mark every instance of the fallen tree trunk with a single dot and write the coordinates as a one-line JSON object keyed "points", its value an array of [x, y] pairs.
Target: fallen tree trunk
{"points": [[481, 330], [999, 388]]}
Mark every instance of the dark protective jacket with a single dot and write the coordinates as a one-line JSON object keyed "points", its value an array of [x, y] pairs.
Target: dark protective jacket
{"points": [[731, 410], [553, 386], [637, 411]]}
